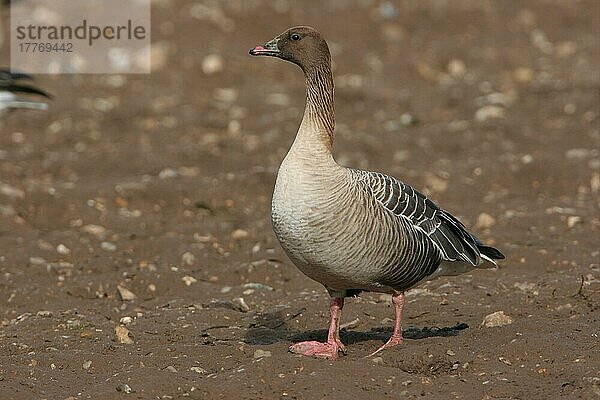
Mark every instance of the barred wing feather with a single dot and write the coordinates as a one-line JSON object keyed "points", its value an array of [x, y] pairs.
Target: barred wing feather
{"points": [[448, 234]]}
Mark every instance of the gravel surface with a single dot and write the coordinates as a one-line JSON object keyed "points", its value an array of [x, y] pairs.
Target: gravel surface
{"points": [[136, 252]]}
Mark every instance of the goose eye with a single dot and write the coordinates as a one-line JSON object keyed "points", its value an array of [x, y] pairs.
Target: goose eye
{"points": [[295, 36]]}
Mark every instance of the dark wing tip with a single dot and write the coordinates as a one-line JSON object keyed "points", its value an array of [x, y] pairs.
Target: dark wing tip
{"points": [[28, 89], [491, 252]]}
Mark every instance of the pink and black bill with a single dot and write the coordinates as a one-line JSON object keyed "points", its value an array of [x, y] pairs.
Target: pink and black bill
{"points": [[269, 49]]}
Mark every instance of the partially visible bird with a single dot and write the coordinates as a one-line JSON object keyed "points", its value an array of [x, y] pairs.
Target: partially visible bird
{"points": [[10, 85], [354, 230]]}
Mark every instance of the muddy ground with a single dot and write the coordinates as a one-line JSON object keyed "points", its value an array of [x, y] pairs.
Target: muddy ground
{"points": [[156, 188]]}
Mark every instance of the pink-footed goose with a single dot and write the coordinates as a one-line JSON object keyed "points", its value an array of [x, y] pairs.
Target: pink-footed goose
{"points": [[354, 230]]}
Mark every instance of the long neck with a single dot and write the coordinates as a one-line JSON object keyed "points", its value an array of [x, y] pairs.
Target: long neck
{"points": [[316, 129]]}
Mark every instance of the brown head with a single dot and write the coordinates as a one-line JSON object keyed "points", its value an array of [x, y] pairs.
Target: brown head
{"points": [[301, 45]]}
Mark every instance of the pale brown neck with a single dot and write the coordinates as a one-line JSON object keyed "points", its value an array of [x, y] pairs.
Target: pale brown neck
{"points": [[319, 101]]}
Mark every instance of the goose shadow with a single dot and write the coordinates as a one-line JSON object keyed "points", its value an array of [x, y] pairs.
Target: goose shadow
{"points": [[271, 327]]}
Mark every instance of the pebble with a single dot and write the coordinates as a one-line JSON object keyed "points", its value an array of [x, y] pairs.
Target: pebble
{"points": [[62, 249], [407, 119], [198, 370], [86, 365], [387, 10], [168, 173], [496, 319], [44, 314], [259, 286], [489, 112], [457, 68], [377, 360], [96, 230], [124, 388], [435, 183], [212, 64], [523, 74], [188, 258], [123, 335], [171, 368], [108, 246], [239, 234], [188, 280], [226, 289], [226, 95], [485, 221], [37, 261], [126, 320], [573, 220], [125, 294], [262, 353], [578, 154], [241, 304], [11, 191]]}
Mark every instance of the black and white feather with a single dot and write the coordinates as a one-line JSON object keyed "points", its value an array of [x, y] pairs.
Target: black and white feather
{"points": [[11, 85], [448, 235]]}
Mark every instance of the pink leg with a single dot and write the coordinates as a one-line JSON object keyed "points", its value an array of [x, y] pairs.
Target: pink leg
{"points": [[334, 344], [398, 300]]}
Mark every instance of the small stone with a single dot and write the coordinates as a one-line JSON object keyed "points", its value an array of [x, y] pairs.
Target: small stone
{"points": [[226, 95], [457, 68], [62, 249], [578, 154], [489, 112], [188, 258], [241, 304], [385, 298], [37, 261], [124, 388], [171, 368], [407, 119], [573, 220], [212, 63], [485, 221], [523, 75], [125, 294], [95, 230], [108, 246], [377, 360], [239, 234], [198, 370], [188, 280], [435, 183], [258, 286], [451, 353], [86, 365], [44, 314], [126, 320], [262, 353], [11, 191], [527, 159], [123, 335], [496, 319], [168, 173]]}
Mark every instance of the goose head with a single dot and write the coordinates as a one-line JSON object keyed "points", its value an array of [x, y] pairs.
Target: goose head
{"points": [[301, 45]]}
